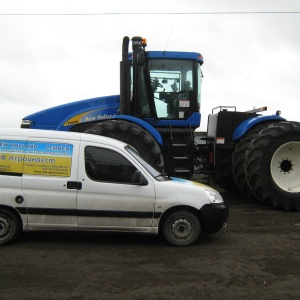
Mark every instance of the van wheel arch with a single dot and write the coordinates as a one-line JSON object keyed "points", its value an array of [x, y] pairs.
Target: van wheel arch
{"points": [[170, 210]]}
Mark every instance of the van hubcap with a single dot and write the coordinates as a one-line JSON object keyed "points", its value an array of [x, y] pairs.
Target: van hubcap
{"points": [[5, 227], [182, 229]]}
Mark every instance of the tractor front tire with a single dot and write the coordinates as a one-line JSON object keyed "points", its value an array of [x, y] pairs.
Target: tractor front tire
{"points": [[133, 135]]}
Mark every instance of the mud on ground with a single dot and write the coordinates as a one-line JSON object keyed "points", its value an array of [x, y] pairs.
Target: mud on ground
{"points": [[257, 256]]}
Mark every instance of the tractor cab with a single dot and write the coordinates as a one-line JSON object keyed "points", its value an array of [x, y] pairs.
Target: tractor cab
{"points": [[161, 85]]}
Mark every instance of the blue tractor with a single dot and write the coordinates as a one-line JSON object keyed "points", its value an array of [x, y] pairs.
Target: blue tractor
{"points": [[157, 112]]}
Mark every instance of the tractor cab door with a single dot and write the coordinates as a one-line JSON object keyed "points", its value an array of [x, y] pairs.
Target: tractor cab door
{"points": [[175, 86]]}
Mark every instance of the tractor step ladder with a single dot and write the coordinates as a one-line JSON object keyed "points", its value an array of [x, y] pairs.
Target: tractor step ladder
{"points": [[179, 155], [180, 160]]}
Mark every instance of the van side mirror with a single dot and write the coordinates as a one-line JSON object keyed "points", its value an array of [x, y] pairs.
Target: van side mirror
{"points": [[138, 178]]}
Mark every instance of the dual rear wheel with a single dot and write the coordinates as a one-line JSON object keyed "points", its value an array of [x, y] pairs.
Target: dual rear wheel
{"points": [[266, 165]]}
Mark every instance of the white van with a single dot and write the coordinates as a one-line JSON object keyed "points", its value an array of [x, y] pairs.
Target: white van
{"points": [[52, 180]]}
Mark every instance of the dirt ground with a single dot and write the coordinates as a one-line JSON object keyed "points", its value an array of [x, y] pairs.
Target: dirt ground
{"points": [[257, 256]]}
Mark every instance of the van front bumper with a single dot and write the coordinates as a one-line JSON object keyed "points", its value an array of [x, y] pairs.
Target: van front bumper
{"points": [[213, 217]]}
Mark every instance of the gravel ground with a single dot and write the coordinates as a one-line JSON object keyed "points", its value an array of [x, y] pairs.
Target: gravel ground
{"points": [[257, 256]]}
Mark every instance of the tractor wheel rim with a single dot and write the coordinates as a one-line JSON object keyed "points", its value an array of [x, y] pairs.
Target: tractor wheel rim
{"points": [[285, 167]]}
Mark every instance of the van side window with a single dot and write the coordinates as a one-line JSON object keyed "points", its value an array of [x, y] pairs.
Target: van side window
{"points": [[107, 165]]}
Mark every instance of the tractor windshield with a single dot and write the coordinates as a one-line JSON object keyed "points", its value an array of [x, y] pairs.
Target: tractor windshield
{"points": [[176, 85]]}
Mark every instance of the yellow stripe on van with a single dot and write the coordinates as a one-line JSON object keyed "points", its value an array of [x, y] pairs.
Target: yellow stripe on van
{"points": [[11, 162], [47, 165]]}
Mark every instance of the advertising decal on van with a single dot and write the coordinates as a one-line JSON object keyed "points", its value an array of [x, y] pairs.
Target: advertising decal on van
{"points": [[35, 158]]}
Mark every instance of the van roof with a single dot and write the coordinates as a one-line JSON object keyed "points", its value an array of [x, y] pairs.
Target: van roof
{"points": [[55, 134]]}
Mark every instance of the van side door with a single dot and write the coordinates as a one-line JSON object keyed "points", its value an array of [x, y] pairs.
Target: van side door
{"points": [[109, 200], [50, 182]]}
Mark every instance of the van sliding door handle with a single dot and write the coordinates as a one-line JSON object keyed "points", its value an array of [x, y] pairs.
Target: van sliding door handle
{"points": [[74, 185]]}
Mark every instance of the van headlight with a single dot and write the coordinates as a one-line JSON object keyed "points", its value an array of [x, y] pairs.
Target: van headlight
{"points": [[213, 196]]}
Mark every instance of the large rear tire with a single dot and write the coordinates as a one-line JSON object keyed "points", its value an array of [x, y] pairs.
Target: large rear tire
{"points": [[134, 135], [273, 166], [238, 160]]}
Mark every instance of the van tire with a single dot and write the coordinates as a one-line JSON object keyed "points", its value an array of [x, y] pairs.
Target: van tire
{"points": [[133, 135], [9, 226], [181, 228]]}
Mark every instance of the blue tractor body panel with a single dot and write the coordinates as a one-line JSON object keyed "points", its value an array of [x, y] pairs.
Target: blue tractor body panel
{"points": [[193, 121], [175, 55], [64, 117], [245, 126]]}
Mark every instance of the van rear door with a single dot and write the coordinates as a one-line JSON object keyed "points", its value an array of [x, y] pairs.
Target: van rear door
{"points": [[11, 168], [50, 182]]}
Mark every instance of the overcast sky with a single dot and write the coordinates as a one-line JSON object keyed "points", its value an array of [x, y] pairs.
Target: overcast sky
{"points": [[58, 51]]}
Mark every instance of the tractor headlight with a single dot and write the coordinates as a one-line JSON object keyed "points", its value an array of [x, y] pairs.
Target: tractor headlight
{"points": [[26, 124], [213, 196]]}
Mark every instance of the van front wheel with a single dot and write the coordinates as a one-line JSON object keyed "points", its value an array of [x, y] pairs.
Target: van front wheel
{"points": [[9, 226], [181, 228]]}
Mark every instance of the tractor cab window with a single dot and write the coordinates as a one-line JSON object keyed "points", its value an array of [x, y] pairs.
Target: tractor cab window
{"points": [[143, 95], [173, 87], [199, 78]]}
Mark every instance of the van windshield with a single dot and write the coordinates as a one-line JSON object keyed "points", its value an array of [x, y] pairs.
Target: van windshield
{"points": [[155, 173]]}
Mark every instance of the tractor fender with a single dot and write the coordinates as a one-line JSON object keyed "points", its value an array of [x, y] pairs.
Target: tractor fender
{"points": [[156, 135], [245, 126]]}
